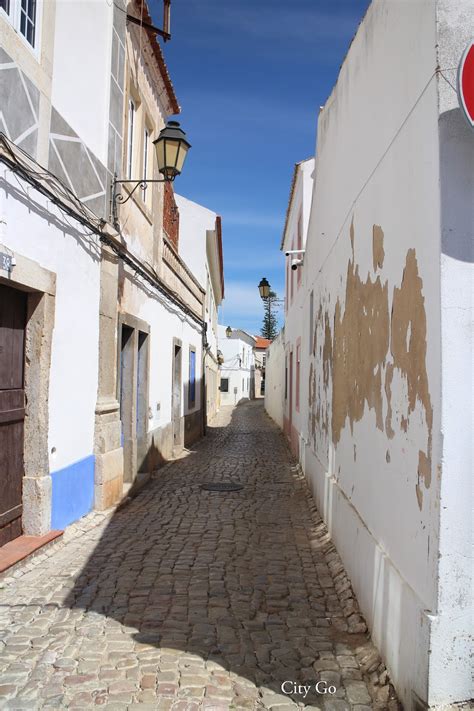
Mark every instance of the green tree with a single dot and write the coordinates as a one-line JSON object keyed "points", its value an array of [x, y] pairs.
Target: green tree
{"points": [[270, 321]]}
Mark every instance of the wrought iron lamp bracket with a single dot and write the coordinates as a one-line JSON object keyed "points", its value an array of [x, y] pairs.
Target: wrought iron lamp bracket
{"points": [[118, 197]]}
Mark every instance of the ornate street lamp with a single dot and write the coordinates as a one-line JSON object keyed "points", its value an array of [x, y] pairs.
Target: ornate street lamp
{"points": [[228, 332], [264, 288], [171, 148]]}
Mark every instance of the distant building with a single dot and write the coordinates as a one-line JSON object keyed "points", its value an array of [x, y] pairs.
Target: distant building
{"points": [[200, 245], [238, 367], [108, 318], [261, 345]]}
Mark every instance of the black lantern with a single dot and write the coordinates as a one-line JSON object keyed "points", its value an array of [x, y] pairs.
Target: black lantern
{"points": [[264, 288], [171, 150], [228, 332]]}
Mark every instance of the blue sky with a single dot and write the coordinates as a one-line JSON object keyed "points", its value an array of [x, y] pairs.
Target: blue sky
{"points": [[250, 76]]}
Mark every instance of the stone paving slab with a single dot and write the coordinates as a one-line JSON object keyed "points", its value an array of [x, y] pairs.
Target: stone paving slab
{"points": [[188, 599]]}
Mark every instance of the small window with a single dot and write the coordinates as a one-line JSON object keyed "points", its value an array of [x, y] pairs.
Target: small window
{"points": [[224, 385], [192, 377], [28, 20], [131, 128], [23, 15], [248, 384], [311, 321], [243, 385]]}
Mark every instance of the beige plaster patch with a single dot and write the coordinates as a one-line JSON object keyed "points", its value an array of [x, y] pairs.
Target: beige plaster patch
{"points": [[378, 252], [366, 345]]}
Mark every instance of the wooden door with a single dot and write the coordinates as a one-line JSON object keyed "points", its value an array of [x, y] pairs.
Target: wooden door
{"points": [[12, 410]]}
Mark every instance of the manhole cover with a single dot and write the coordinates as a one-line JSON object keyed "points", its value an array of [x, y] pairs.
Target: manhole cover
{"points": [[222, 486]]}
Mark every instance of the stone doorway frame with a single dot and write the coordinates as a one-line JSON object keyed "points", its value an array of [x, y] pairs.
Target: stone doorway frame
{"points": [[40, 285], [138, 439]]}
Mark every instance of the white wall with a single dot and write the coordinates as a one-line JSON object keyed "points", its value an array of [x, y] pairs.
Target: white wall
{"points": [[275, 379], [296, 321], [59, 244], [450, 676], [374, 427], [81, 76], [194, 221], [166, 322], [240, 376]]}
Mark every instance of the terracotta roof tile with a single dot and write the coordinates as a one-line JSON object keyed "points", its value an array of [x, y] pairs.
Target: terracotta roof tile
{"points": [[262, 342], [142, 9]]}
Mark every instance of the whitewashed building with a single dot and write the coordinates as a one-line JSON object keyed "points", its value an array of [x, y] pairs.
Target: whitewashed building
{"points": [[200, 244], [104, 327], [238, 366], [380, 330], [50, 237], [260, 354]]}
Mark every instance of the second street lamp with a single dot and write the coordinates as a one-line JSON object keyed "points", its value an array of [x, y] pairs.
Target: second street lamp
{"points": [[171, 148], [264, 288], [269, 298]]}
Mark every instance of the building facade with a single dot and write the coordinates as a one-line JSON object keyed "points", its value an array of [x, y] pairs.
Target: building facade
{"points": [[103, 323], [201, 246], [238, 366], [260, 354], [377, 347], [51, 275]]}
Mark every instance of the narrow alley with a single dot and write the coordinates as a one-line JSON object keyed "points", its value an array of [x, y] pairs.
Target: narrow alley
{"points": [[185, 598]]}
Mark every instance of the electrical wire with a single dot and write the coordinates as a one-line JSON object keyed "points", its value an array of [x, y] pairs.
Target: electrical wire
{"points": [[378, 163], [53, 189]]}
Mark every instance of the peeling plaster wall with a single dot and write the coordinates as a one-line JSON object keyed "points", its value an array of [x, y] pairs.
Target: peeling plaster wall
{"points": [[371, 388]]}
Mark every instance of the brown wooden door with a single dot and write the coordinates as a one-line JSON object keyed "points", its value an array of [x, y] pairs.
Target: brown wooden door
{"points": [[12, 410]]}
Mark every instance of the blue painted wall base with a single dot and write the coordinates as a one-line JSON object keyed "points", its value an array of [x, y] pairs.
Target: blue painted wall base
{"points": [[73, 492]]}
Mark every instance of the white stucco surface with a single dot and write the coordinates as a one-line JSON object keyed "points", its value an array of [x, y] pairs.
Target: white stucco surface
{"points": [[60, 245], [194, 221], [165, 322], [80, 87], [275, 379], [238, 365]]}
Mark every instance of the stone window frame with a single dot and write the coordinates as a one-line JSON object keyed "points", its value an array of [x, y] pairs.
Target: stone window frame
{"points": [[13, 17]]}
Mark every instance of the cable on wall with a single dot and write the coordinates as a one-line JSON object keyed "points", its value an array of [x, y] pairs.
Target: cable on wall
{"points": [[52, 188]]}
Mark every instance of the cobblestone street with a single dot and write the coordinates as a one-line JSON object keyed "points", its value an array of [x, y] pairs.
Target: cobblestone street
{"points": [[186, 599]]}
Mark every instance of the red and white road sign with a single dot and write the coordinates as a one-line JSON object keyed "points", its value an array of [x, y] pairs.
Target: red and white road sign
{"points": [[466, 83]]}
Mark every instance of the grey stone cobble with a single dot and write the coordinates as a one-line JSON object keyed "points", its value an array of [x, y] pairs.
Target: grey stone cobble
{"points": [[185, 599]]}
